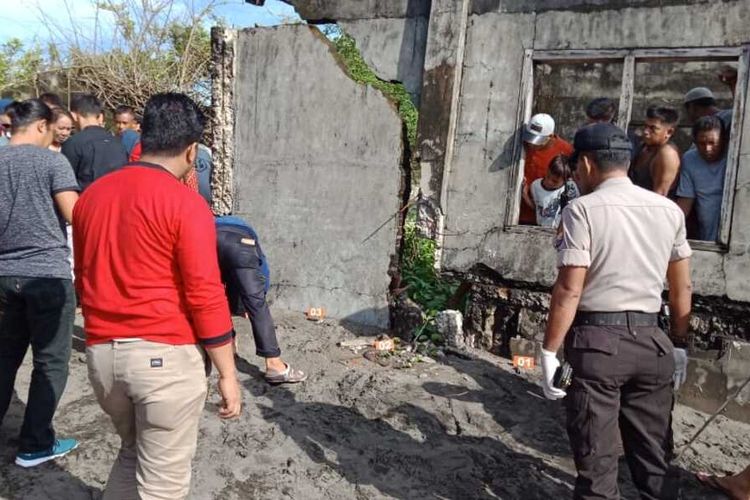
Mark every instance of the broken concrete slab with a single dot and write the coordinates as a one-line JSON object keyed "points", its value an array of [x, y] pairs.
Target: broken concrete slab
{"points": [[317, 170], [326, 11], [394, 48], [450, 324]]}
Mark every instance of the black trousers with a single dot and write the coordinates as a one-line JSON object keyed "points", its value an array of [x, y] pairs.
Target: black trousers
{"points": [[241, 271], [621, 390], [36, 312]]}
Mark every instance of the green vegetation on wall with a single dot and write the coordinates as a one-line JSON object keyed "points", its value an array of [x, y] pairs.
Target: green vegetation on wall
{"points": [[425, 286], [360, 72]]}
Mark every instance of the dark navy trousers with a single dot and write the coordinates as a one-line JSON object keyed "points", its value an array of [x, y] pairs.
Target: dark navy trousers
{"points": [[244, 273]]}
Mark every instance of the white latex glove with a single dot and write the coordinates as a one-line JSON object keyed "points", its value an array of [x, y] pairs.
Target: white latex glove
{"points": [[550, 364], [680, 367]]}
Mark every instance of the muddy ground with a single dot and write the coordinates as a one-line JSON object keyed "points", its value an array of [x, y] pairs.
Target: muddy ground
{"points": [[454, 429]]}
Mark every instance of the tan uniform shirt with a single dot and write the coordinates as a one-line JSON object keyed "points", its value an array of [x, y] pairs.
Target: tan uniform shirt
{"points": [[626, 236]]}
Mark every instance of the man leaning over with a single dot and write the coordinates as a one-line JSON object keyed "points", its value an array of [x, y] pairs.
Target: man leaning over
{"points": [[616, 246], [145, 252]]}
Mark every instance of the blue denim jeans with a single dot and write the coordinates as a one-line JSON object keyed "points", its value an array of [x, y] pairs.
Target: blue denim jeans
{"points": [[36, 312]]}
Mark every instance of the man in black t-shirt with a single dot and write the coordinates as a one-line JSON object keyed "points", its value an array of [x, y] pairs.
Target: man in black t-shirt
{"points": [[93, 151]]}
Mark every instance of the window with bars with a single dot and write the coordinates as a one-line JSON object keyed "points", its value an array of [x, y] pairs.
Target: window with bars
{"points": [[562, 82]]}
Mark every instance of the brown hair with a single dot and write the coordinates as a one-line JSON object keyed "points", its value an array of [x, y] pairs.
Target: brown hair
{"points": [[560, 166]]}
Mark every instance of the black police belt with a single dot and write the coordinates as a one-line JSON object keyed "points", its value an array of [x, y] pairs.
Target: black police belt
{"points": [[624, 318]]}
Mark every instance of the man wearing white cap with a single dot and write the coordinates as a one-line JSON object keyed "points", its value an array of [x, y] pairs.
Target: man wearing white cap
{"points": [[700, 102], [541, 146]]}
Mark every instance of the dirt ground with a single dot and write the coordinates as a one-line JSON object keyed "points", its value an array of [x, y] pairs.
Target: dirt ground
{"points": [[454, 429]]}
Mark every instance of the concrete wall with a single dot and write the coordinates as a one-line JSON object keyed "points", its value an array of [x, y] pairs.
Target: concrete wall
{"points": [[467, 155], [345, 10], [393, 48], [391, 35], [476, 184], [317, 169], [471, 52]]}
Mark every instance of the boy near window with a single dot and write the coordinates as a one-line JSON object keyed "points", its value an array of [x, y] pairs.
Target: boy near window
{"points": [[549, 194]]}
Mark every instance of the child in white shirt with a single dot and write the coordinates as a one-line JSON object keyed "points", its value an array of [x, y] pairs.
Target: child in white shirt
{"points": [[549, 194]]}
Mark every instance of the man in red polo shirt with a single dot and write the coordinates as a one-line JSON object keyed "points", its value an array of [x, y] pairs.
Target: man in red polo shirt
{"points": [[153, 303]]}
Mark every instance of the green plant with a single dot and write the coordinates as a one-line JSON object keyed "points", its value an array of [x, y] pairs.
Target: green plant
{"points": [[425, 285], [360, 72], [19, 65]]}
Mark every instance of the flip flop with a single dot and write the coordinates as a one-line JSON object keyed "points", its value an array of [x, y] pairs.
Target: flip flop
{"points": [[288, 376], [712, 482]]}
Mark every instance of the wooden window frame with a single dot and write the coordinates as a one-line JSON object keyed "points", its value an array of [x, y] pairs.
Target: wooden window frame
{"points": [[629, 58]]}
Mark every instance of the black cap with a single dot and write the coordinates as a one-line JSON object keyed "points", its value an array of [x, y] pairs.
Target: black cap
{"points": [[599, 137]]}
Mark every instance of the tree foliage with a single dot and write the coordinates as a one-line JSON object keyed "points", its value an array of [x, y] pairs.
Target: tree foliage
{"points": [[19, 65], [134, 48], [138, 48]]}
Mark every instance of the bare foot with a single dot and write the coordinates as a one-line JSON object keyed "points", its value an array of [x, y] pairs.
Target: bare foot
{"points": [[735, 487], [275, 365]]}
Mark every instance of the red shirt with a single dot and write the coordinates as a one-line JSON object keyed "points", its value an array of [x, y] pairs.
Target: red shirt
{"points": [[135, 155], [535, 166], [145, 261]]}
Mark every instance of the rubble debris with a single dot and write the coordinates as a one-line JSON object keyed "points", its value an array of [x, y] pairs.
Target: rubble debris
{"points": [[406, 317], [449, 325]]}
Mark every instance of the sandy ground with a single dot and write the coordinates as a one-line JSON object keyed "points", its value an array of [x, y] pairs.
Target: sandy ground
{"points": [[457, 429]]}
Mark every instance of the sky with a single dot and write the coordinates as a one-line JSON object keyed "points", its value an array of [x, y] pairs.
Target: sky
{"points": [[22, 18]]}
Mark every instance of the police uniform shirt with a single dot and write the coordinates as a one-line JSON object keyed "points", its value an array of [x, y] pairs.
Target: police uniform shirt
{"points": [[626, 236]]}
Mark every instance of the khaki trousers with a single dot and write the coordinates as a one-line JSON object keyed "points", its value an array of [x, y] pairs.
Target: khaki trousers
{"points": [[155, 394]]}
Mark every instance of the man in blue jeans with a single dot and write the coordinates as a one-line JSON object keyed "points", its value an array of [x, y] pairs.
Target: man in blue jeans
{"points": [[37, 302], [246, 276]]}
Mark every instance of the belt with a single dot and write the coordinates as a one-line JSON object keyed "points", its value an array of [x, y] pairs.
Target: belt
{"points": [[624, 318]]}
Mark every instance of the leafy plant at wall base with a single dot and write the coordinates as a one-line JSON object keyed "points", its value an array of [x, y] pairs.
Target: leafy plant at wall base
{"points": [[425, 286]]}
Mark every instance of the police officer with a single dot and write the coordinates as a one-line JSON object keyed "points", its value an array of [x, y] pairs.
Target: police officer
{"points": [[245, 273], [616, 245]]}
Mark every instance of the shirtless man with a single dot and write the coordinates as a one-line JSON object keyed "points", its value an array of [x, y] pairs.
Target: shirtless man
{"points": [[657, 163]]}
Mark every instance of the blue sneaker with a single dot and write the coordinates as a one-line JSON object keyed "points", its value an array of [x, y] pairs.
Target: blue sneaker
{"points": [[61, 448]]}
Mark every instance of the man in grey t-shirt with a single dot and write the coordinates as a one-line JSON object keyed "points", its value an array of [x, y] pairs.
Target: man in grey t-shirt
{"points": [[702, 174], [37, 304], [32, 231]]}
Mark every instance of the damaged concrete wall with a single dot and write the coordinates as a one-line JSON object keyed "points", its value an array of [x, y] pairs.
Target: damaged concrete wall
{"points": [[317, 170], [476, 185], [391, 36], [468, 155]]}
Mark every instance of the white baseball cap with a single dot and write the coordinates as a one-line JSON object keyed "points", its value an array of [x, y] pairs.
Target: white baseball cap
{"points": [[539, 128]]}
